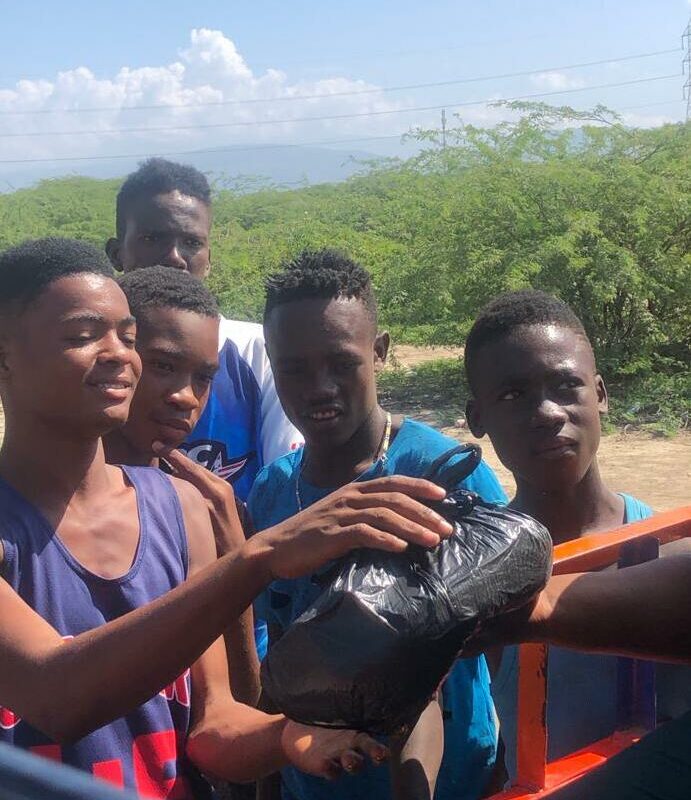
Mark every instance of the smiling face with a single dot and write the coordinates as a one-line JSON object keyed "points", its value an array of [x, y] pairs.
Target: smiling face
{"points": [[170, 229], [537, 395], [179, 352], [69, 358], [324, 354]]}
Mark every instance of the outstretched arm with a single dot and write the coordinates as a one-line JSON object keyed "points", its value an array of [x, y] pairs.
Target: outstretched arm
{"points": [[58, 685]]}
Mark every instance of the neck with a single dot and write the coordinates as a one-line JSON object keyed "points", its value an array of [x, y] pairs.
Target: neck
{"points": [[119, 450], [570, 512], [49, 467], [336, 465]]}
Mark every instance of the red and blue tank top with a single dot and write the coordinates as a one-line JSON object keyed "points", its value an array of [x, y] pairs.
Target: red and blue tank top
{"points": [[144, 751]]}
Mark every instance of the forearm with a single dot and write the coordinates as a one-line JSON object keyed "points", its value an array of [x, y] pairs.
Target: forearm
{"points": [[243, 662], [638, 611], [415, 761], [155, 643], [237, 743]]}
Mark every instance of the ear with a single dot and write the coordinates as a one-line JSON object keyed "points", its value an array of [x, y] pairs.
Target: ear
{"points": [[602, 398], [208, 266], [381, 350], [113, 252], [473, 416]]}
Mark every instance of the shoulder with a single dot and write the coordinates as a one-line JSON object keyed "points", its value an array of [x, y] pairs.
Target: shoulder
{"points": [[635, 509], [246, 336], [197, 523]]}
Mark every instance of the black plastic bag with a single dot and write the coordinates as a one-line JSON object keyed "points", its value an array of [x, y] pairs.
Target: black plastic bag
{"points": [[375, 645]]}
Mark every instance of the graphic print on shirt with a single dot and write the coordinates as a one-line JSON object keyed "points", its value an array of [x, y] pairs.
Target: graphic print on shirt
{"points": [[213, 455]]}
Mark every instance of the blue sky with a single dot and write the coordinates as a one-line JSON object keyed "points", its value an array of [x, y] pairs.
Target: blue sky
{"points": [[126, 53]]}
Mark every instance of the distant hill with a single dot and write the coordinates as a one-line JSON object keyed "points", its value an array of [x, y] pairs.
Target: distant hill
{"points": [[281, 165]]}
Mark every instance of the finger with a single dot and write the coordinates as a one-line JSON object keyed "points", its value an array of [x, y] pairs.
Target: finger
{"points": [[389, 521], [405, 506], [182, 464], [332, 769], [361, 535], [415, 487], [374, 750], [352, 761]]}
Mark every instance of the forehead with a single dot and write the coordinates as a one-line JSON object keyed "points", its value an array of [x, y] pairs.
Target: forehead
{"points": [[532, 351], [168, 211], [319, 326], [85, 292], [191, 335]]}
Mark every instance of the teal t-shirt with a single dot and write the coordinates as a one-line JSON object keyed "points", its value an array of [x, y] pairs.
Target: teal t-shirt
{"points": [[470, 734], [581, 688]]}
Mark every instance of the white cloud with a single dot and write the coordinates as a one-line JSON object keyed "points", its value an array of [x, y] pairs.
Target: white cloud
{"points": [[209, 70], [555, 81]]}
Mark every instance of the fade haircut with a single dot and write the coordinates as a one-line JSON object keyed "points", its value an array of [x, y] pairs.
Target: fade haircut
{"points": [[512, 310], [327, 274], [158, 176], [29, 268], [163, 287]]}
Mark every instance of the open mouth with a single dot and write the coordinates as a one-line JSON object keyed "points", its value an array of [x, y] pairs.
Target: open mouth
{"points": [[324, 414]]}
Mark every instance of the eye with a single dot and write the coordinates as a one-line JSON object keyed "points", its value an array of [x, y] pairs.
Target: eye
{"points": [[512, 394], [162, 366], [344, 365], [569, 384], [149, 238], [129, 339], [195, 243], [204, 378]]}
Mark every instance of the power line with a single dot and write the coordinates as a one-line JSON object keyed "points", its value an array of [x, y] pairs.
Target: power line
{"points": [[254, 147], [351, 93], [330, 117]]}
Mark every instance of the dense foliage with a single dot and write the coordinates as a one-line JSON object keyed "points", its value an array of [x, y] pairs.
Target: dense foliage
{"points": [[595, 212]]}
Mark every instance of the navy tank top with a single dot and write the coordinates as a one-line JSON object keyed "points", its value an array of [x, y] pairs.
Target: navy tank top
{"points": [[143, 751]]}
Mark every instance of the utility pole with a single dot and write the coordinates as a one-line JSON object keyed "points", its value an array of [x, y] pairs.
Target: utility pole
{"points": [[686, 67], [443, 121]]}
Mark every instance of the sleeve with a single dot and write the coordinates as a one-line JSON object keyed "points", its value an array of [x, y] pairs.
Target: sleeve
{"points": [[278, 435]]}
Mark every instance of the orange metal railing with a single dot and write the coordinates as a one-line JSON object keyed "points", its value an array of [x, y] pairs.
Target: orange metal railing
{"points": [[535, 777]]}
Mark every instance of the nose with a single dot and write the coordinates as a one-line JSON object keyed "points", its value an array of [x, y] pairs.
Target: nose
{"points": [[174, 258], [114, 350], [321, 387], [549, 414], [183, 397]]}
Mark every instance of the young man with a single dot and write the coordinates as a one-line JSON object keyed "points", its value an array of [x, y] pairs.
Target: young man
{"points": [[320, 324], [537, 394], [83, 543], [163, 216], [177, 341]]}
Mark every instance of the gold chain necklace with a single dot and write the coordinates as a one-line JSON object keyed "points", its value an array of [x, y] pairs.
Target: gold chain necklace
{"points": [[381, 455]]}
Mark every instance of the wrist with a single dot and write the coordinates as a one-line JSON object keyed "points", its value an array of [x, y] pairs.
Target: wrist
{"points": [[260, 552]]}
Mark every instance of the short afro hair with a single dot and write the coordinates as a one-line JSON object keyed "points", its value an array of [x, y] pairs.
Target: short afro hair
{"points": [[29, 268], [512, 310], [164, 287], [327, 274], [158, 176]]}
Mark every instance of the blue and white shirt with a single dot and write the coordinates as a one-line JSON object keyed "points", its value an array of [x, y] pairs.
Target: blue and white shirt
{"points": [[243, 426]]}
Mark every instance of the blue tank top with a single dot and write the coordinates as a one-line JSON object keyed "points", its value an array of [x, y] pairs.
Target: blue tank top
{"points": [[143, 751]]}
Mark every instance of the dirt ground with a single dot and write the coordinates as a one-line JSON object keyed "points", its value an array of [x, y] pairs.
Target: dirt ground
{"points": [[655, 470]]}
